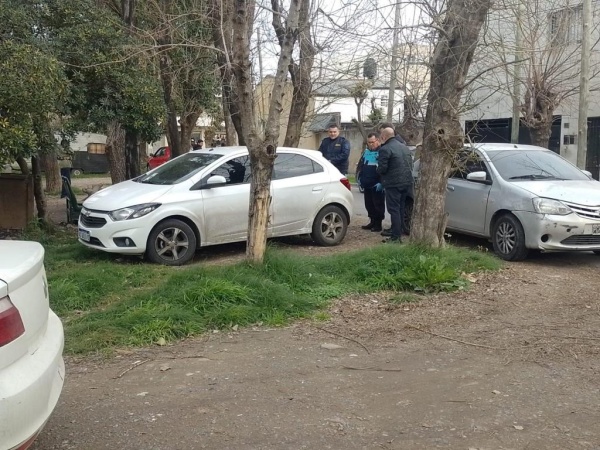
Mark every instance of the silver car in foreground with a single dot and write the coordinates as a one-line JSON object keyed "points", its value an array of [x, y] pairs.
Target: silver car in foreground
{"points": [[523, 197]]}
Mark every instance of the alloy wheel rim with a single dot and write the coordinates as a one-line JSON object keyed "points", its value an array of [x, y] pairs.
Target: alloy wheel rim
{"points": [[506, 238], [171, 244], [331, 226]]}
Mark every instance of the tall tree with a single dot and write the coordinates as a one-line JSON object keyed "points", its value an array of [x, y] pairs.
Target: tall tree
{"points": [[457, 38], [262, 148]]}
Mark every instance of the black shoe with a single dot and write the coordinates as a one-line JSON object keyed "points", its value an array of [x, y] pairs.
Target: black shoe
{"points": [[376, 229], [368, 226], [392, 240], [387, 232]]}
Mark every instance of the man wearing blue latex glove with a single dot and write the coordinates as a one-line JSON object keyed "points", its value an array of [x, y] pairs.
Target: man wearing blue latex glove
{"points": [[371, 183]]}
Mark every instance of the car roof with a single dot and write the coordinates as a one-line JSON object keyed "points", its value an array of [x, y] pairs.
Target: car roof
{"points": [[236, 149], [495, 147]]}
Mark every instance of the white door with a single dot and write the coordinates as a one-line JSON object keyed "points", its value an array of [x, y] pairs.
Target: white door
{"points": [[299, 186]]}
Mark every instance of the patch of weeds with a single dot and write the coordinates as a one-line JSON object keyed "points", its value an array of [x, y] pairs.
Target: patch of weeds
{"points": [[322, 316]]}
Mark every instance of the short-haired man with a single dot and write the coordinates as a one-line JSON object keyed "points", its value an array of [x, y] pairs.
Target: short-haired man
{"points": [[396, 135], [395, 168], [370, 181], [336, 149]]}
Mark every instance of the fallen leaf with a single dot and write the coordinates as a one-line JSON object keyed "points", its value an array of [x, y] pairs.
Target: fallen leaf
{"points": [[161, 341], [517, 427], [496, 392]]}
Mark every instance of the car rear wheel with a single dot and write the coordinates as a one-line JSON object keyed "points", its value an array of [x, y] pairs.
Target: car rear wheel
{"points": [[596, 252], [330, 226], [76, 172], [172, 243], [508, 238]]}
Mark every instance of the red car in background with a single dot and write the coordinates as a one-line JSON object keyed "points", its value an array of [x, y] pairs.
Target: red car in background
{"points": [[160, 156]]}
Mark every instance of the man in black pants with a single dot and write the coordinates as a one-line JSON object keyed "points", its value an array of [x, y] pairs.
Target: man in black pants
{"points": [[395, 168], [371, 183]]}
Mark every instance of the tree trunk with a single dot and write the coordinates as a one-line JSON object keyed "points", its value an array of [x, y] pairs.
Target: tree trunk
{"points": [[300, 73], [188, 123], [222, 18], [132, 155], [231, 136], [115, 151], [540, 135], [38, 191], [49, 164], [443, 135], [262, 151]]}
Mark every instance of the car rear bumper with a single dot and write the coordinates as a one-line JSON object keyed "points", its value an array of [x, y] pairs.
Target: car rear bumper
{"points": [[559, 233], [30, 388]]}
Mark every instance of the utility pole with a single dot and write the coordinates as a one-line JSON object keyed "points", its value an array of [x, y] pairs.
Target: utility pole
{"points": [[394, 64], [584, 88], [516, 112]]}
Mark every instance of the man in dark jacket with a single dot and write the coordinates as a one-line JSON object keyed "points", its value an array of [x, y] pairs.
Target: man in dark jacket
{"points": [[370, 181], [336, 149], [395, 168]]}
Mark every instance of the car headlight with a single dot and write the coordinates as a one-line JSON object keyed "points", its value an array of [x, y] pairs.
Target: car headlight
{"points": [[548, 206], [133, 212]]}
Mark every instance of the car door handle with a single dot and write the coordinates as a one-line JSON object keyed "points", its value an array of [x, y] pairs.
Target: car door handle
{"points": [[450, 188], [317, 189]]}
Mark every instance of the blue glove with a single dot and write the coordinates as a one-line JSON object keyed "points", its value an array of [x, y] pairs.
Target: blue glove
{"points": [[378, 187]]}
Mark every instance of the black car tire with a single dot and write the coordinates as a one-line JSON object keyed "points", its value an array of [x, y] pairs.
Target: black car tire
{"points": [[330, 226], [596, 252], [360, 188], [171, 243], [76, 172], [508, 238]]}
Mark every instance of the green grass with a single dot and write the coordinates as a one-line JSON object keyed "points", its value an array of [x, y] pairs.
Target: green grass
{"points": [[107, 301]]}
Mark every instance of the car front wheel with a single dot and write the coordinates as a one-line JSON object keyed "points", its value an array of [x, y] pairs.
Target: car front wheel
{"points": [[172, 243], [508, 238], [330, 226]]}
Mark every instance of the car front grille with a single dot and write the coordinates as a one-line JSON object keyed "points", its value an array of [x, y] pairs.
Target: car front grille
{"points": [[587, 212], [92, 222], [582, 239]]}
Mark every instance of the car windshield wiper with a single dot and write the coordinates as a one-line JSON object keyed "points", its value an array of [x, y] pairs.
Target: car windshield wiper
{"points": [[535, 177]]}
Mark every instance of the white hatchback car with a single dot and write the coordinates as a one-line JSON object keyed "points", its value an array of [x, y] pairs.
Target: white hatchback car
{"points": [[523, 197], [32, 370], [202, 198]]}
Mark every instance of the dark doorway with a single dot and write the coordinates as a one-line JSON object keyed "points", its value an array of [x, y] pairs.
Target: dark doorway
{"points": [[498, 131], [593, 147]]}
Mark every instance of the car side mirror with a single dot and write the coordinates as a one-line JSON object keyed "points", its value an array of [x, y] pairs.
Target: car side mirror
{"points": [[479, 177], [588, 173], [215, 180]]}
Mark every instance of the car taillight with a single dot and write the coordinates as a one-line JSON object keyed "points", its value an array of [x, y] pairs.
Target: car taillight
{"points": [[11, 325], [346, 183]]}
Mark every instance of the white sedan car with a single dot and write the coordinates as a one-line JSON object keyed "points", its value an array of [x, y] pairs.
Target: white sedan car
{"points": [[32, 370], [523, 197], [202, 198]]}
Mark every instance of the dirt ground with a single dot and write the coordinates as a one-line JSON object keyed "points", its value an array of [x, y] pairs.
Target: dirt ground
{"points": [[512, 363]]}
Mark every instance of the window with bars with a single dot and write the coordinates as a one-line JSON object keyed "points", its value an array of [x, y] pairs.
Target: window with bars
{"points": [[566, 25], [384, 101]]}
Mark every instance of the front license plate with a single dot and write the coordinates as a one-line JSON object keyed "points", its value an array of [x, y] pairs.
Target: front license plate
{"points": [[596, 228], [84, 235]]}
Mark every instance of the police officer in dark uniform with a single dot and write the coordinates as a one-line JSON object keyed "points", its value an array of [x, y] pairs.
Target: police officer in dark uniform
{"points": [[336, 149]]}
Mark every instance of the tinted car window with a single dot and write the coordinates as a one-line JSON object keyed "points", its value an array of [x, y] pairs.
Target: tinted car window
{"points": [[160, 151], [466, 163], [519, 165], [288, 165], [179, 169], [235, 171]]}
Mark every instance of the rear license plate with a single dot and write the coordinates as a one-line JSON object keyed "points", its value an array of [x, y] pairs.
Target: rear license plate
{"points": [[84, 235]]}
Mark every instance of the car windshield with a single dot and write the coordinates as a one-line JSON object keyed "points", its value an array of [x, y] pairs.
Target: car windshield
{"points": [[179, 169], [519, 165]]}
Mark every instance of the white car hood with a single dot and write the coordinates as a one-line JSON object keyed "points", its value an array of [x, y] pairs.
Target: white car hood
{"points": [[581, 192], [127, 193]]}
